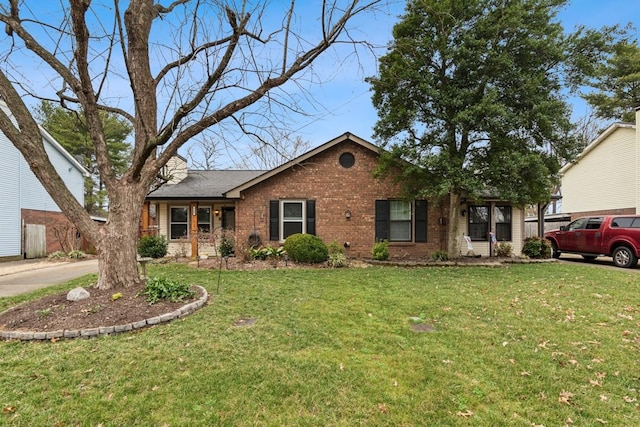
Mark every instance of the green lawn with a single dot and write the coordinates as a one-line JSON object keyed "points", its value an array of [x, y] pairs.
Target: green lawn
{"points": [[524, 345]]}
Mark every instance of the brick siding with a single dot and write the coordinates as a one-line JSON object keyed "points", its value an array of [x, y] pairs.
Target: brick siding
{"points": [[336, 189], [623, 211], [50, 220]]}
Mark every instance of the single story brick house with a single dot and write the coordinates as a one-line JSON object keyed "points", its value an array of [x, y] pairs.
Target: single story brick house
{"points": [[331, 192]]}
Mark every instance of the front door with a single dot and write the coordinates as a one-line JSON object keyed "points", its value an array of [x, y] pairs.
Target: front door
{"points": [[229, 218]]}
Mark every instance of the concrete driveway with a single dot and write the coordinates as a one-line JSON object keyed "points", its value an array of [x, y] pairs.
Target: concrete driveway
{"points": [[20, 277], [602, 261]]}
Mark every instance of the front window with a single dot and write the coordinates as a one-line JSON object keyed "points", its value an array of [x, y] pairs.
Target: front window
{"points": [[578, 224], [399, 221], [503, 223], [292, 218], [178, 222], [478, 222], [204, 219]]}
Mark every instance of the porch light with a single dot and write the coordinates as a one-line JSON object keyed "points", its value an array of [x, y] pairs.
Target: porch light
{"points": [[217, 212]]}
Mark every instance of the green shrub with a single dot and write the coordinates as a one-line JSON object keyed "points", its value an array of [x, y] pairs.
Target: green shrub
{"points": [[535, 247], [504, 250], [440, 256], [380, 251], [226, 246], [158, 288], [337, 257], [57, 255], [268, 252], [76, 254], [152, 246], [306, 248]]}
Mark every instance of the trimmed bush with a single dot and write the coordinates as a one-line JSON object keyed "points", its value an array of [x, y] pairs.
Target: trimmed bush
{"points": [[535, 247], [440, 256], [503, 250], [152, 246], [306, 248], [380, 251]]}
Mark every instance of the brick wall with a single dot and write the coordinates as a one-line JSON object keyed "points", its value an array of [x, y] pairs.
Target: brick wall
{"points": [[50, 220], [336, 189], [622, 211]]}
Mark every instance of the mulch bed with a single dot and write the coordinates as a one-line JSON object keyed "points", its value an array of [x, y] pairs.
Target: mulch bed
{"points": [[54, 312]]}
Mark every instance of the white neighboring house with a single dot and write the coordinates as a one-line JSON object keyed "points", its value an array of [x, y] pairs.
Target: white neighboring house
{"points": [[605, 179], [26, 202]]}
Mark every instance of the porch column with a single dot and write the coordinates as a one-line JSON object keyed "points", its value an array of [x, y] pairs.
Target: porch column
{"points": [[194, 229], [144, 219]]}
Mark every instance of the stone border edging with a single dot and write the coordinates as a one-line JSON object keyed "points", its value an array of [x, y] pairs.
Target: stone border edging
{"points": [[183, 311]]}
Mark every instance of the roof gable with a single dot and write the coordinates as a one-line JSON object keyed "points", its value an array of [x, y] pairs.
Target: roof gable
{"points": [[604, 136], [234, 193]]}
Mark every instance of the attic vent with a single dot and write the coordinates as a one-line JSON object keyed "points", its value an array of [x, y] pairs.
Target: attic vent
{"points": [[347, 160]]}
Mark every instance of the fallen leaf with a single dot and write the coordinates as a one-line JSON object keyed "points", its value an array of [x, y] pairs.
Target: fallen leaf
{"points": [[604, 398], [8, 409], [395, 383], [155, 388], [465, 414], [595, 383], [512, 361], [505, 343], [382, 408], [342, 367], [525, 374], [601, 375], [447, 361], [601, 421], [629, 399], [565, 397]]}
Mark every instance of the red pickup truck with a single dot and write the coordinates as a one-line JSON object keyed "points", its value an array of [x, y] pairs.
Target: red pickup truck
{"points": [[617, 236]]}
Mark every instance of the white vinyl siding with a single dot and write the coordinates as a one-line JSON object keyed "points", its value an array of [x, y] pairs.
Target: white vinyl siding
{"points": [[10, 227], [20, 189], [605, 178]]}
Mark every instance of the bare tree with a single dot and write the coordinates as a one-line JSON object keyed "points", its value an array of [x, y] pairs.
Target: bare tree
{"points": [[173, 69], [270, 155]]}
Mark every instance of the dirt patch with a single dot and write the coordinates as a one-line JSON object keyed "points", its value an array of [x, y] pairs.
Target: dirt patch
{"points": [[54, 312]]}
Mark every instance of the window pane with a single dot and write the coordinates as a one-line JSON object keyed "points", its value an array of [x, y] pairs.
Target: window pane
{"points": [[478, 231], [204, 215], [179, 214], [178, 231], [289, 228], [399, 210], [292, 210], [503, 214], [478, 214], [400, 231], [503, 232]]}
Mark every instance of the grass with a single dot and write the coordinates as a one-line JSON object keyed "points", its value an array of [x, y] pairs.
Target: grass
{"points": [[527, 345]]}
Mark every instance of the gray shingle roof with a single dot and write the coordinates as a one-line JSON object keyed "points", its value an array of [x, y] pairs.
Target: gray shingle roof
{"points": [[205, 184]]}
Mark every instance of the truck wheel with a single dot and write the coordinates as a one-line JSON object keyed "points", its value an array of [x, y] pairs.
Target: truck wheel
{"points": [[554, 250], [624, 257]]}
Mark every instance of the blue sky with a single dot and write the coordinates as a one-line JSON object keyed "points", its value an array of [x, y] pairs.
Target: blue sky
{"points": [[346, 99]]}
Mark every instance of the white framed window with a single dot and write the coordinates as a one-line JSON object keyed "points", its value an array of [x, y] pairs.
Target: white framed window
{"points": [[292, 217], [399, 221], [178, 222], [204, 219]]}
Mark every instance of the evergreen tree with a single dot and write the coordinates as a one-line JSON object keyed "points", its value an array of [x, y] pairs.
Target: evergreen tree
{"points": [[616, 89], [469, 93], [69, 128]]}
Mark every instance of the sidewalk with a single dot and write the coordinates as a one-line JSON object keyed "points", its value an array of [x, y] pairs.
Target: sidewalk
{"points": [[11, 267]]}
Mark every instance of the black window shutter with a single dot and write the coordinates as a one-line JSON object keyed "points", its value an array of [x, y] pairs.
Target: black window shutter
{"points": [[382, 220], [274, 220], [421, 221], [311, 217]]}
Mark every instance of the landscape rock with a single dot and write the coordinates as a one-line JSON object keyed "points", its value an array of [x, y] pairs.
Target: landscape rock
{"points": [[77, 294]]}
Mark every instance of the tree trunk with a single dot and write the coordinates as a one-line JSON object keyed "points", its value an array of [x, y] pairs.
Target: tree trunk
{"points": [[118, 241], [454, 238]]}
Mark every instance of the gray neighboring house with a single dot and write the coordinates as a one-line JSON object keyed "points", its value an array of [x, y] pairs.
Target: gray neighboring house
{"points": [[29, 213]]}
